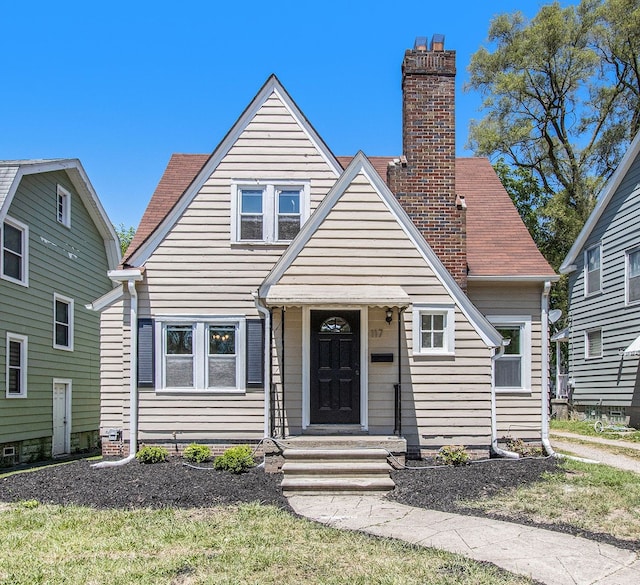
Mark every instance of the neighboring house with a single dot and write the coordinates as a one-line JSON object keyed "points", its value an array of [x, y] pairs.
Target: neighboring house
{"points": [[57, 244], [273, 290], [604, 296]]}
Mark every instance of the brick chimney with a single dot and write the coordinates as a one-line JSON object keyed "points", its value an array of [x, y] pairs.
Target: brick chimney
{"points": [[424, 178]]}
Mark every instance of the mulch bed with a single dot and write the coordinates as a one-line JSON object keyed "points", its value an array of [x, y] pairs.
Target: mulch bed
{"points": [[174, 484]]}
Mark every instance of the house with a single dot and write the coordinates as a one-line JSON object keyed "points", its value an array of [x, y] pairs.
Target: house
{"points": [[57, 244], [274, 290], [604, 299]]}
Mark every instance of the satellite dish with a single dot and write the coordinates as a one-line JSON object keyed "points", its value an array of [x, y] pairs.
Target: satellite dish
{"points": [[554, 315]]}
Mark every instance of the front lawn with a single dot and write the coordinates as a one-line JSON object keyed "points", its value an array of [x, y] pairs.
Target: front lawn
{"points": [[246, 544], [596, 498]]}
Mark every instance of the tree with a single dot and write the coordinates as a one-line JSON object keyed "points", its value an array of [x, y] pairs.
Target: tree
{"points": [[561, 95], [125, 234]]}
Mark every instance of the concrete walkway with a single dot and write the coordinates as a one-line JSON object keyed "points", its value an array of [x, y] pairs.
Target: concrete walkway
{"points": [[550, 557], [594, 448]]}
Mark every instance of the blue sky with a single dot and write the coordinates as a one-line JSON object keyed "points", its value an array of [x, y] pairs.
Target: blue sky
{"points": [[122, 85]]}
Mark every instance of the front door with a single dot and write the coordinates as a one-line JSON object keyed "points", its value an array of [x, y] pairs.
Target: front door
{"points": [[61, 423], [335, 367]]}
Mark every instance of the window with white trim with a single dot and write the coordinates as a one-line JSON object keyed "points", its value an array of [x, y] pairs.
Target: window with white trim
{"points": [[593, 344], [269, 212], [15, 251], [16, 360], [633, 275], [62, 322], [433, 329], [63, 206], [512, 370], [202, 355], [592, 270]]}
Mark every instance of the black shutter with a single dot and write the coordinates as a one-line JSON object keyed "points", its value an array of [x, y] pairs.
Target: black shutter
{"points": [[255, 353], [146, 368]]}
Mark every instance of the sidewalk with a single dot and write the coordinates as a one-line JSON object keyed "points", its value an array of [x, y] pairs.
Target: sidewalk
{"points": [[591, 448], [550, 557]]}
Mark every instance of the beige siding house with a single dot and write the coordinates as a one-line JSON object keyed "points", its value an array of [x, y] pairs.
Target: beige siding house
{"points": [[274, 291]]}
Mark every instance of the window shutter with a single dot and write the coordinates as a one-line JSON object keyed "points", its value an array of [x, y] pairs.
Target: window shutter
{"points": [[145, 354], [255, 353]]}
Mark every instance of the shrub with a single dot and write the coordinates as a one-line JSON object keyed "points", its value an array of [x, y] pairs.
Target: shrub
{"points": [[196, 453], [150, 454], [453, 455], [523, 449], [235, 459]]}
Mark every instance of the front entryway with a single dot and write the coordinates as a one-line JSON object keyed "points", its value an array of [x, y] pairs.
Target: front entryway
{"points": [[61, 439], [335, 367]]}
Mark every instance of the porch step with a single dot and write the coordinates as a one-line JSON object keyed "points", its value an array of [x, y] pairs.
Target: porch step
{"points": [[336, 471]]}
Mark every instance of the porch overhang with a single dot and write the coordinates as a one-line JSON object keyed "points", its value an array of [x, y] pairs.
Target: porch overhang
{"points": [[312, 294]]}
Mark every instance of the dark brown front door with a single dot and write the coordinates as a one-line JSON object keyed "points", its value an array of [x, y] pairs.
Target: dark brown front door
{"points": [[335, 367]]}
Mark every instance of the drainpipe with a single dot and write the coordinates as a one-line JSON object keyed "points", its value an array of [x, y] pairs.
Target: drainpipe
{"points": [[545, 370], [133, 381], [498, 353], [267, 363]]}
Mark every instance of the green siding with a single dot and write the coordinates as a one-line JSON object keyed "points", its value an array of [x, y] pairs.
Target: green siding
{"points": [[613, 378], [71, 262]]}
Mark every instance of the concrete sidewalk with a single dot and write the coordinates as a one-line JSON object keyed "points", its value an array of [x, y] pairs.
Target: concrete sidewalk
{"points": [[550, 557]]}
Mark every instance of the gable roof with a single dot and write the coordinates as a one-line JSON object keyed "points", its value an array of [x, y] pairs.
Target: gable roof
{"points": [[498, 243], [605, 196], [12, 171], [170, 202], [360, 164]]}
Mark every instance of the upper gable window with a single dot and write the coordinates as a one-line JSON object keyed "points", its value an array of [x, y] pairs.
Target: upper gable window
{"points": [[592, 271], [15, 243], [269, 212], [63, 206], [633, 276]]}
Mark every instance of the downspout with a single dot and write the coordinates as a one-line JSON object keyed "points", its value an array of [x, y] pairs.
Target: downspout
{"points": [[282, 371], [133, 381], [495, 450], [267, 363], [545, 370]]}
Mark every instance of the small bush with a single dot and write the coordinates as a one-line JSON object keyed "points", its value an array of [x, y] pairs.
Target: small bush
{"points": [[453, 455], [235, 459], [196, 453], [150, 454], [523, 449]]}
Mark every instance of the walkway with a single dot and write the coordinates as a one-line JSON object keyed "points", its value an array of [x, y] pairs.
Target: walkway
{"points": [[594, 448], [550, 557]]}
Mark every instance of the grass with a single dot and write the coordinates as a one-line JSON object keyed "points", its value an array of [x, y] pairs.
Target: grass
{"points": [[246, 544], [585, 427], [597, 498]]}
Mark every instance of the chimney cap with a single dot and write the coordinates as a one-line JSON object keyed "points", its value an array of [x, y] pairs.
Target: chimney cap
{"points": [[420, 44], [437, 42]]}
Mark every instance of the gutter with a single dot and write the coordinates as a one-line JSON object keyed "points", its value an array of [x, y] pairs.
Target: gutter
{"points": [[131, 278], [545, 371], [495, 450], [267, 363]]}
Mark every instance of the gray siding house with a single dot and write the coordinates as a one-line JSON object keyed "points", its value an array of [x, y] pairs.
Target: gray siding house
{"points": [[604, 279], [56, 247]]}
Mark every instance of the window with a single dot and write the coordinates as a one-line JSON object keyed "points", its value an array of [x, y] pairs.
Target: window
{"points": [[433, 330], [62, 322], [16, 374], [592, 281], [269, 213], [15, 238], [593, 344], [512, 371], [201, 355], [633, 276], [63, 209]]}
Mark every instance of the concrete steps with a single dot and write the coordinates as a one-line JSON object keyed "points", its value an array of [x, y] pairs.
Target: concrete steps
{"points": [[325, 471]]}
